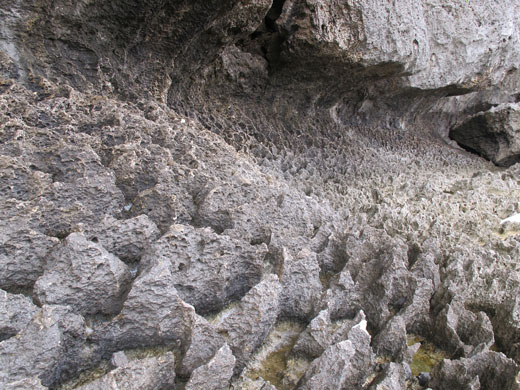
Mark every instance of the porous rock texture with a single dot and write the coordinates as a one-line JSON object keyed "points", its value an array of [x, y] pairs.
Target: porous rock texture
{"points": [[259, 194]]}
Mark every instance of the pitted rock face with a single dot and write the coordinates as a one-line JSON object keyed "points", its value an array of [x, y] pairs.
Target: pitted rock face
{"points": [[266, 190]]}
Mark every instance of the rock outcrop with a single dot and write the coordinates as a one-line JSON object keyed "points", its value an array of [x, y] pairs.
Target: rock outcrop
{"points": [[281, 194]]}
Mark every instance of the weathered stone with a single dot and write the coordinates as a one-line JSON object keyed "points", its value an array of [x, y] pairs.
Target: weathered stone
{"points": [[494, 134], [16, 311], [119, 359], [144, 374], [246, 325], [203, 345], [23, 255], [84, 275], [26, 384], [215, 374], [463, 332], [49, 347], [494, 371], [127, 239], [393, 377], [301, 285], [208, 270], [346, 364], [392, 340], [322, 332], [153, 314]]}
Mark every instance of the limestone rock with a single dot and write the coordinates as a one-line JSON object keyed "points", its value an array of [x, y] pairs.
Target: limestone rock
{"points": [[144, 374], [23, 256], [322, 332], [16, 311], [215, 374], [246, 325], [208, 270], [346, 364], [301, 286], [127, 239], [392, 340], [49, 347], [84, 275], [462, 331], [392, 378], [153, 314], [26, 384], [494, 134], [204, 343], [494, 371]]}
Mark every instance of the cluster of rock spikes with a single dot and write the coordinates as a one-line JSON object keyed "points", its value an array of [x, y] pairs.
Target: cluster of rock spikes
{"points": [[257, 195]]}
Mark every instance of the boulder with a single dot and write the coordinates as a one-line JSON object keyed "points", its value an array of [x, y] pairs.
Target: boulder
{"points": [[16, 311], [214, 375], [301, 286], [50, 347], [246, 325], [23, 255], [346, 364], [494, 134], [84, 275], [208, 270], [145, 374]]}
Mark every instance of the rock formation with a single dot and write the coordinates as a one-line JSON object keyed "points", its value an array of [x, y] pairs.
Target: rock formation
{"points": [[283, 194]]}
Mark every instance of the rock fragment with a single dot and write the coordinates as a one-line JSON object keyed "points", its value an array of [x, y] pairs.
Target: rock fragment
{"points": [[16, 311], [246, 325], [23, 255], [208, 270], [50, 347], [145, 374], [346, 364], [494, 134], [214, 375], [301, 285], [84, 275]]}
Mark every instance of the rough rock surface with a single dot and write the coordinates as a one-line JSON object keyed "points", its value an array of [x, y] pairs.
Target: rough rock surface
{"points": [[85, 276], [215, 374], [493, 134], [180, 175], [146, 374], [208, 270], [15, 313]]}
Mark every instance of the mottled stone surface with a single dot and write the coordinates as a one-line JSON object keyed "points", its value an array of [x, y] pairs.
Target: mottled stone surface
{"points": [[82, 274], [178, 176]]}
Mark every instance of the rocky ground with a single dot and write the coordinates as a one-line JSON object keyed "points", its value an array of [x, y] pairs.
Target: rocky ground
{"points": [[252, 221]]}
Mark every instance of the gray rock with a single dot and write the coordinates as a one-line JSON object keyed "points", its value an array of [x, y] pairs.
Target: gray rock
{"points": [[203, 345], [127, 239], [16, 311], [23, 254], [26, 384], [208, 270], [392, 340], [247, 324], [152, 314], [145, 374], [84, 275], [119, 359], [393, 377], [215, 374], [494, 371], [346, 364], [49, 347], [322, 332], [494, 134], [462, 331], [301, 285]]}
